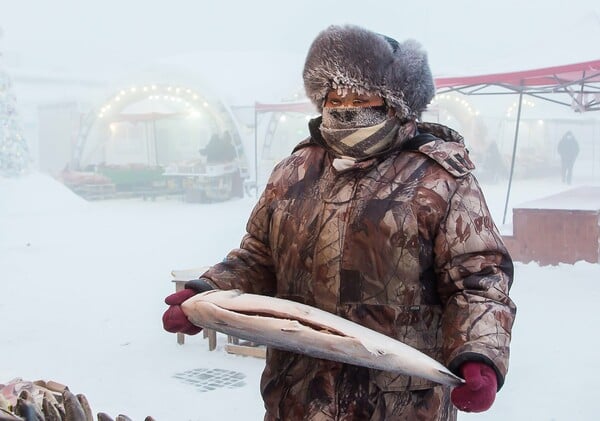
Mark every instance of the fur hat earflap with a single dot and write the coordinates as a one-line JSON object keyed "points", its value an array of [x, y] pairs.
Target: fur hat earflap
{"points": [[351, 57]]}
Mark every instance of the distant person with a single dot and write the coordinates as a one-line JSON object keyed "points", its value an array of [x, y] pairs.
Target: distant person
{"points": [[493, 165], [228, 150], [219, 149], [568, 149]]}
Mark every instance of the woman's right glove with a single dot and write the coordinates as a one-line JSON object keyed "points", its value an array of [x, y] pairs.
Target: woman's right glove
{"points": [[174, 319]]}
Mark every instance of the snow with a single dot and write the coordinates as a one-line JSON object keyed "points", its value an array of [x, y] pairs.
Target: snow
{"points": [[82, 297]]}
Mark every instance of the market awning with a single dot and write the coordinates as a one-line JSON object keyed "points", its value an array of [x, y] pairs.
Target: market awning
{"points": [[574, 85], [580, 81]]}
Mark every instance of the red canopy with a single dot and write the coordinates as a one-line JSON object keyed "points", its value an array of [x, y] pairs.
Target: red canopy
{"points": [[580, 81]]}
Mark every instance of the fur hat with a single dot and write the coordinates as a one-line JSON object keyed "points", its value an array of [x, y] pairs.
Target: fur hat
{"points": [[351, 57]]}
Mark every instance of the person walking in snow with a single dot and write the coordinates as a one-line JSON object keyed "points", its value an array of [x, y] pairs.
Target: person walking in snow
{"points": [[375, 217], [568, 149]]}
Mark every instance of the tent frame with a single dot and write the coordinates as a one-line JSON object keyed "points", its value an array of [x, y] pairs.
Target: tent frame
{"points": [[579, 81]]}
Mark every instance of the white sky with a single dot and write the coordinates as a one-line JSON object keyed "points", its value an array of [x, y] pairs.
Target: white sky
{"points": [[247, 51], [73, 35]]}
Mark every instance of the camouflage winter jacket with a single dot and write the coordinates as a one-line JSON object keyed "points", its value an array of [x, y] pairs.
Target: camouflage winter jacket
{"points": [[402, 244]]}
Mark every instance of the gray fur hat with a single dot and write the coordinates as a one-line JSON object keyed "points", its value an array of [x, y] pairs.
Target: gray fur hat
{"points": [[351, 57]]}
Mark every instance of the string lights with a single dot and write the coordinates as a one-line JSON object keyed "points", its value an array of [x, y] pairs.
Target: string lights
{"points": [[187, 97], [444, 99]]}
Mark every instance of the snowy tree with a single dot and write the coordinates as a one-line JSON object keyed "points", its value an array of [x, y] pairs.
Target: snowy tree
{"points": [[14, 154]]}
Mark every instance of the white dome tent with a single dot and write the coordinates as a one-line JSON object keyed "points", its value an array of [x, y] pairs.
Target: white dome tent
{"points": [[158, 128]]}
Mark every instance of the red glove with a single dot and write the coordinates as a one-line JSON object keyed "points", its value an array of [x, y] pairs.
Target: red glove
{"points": [[174, 320], [479, 391]]}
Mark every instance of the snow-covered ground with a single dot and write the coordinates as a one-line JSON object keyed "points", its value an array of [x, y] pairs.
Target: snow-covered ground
{"points": [[83, 283]]}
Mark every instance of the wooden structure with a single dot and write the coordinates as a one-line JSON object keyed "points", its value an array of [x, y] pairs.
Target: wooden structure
{"points": [[562, 228], [234, 345]]}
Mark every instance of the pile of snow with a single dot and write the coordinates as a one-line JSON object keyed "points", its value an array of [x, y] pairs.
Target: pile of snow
{"points": [[35, 194]]}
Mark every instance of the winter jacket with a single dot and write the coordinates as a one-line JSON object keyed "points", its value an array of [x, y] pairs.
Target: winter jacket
{"points": [[403, 244]]}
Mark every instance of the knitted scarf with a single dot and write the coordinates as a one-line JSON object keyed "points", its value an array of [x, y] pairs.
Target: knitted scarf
{"points": [[360, 132]]}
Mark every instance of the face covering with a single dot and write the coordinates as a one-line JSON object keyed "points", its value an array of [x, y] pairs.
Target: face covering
{"points": [[358, 132]]}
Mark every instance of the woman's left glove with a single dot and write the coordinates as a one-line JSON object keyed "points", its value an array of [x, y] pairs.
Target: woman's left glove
{"points": [[174, 319], [479, 391]]}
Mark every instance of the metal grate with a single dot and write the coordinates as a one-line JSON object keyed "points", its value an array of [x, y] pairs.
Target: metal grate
{"points": [[205, 379]]}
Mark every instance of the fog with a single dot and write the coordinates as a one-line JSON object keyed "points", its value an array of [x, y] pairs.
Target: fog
{"points": [[67, 59], [78, 55], [91, 36], [106, 39]]}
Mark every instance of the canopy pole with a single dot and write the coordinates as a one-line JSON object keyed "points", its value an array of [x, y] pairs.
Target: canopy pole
{"points": [[155, 141], [514, 153]]}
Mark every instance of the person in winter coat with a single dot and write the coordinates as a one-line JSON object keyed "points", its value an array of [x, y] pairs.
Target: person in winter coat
{"points": [[376, 217], [219, 149], [568, 149]]}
